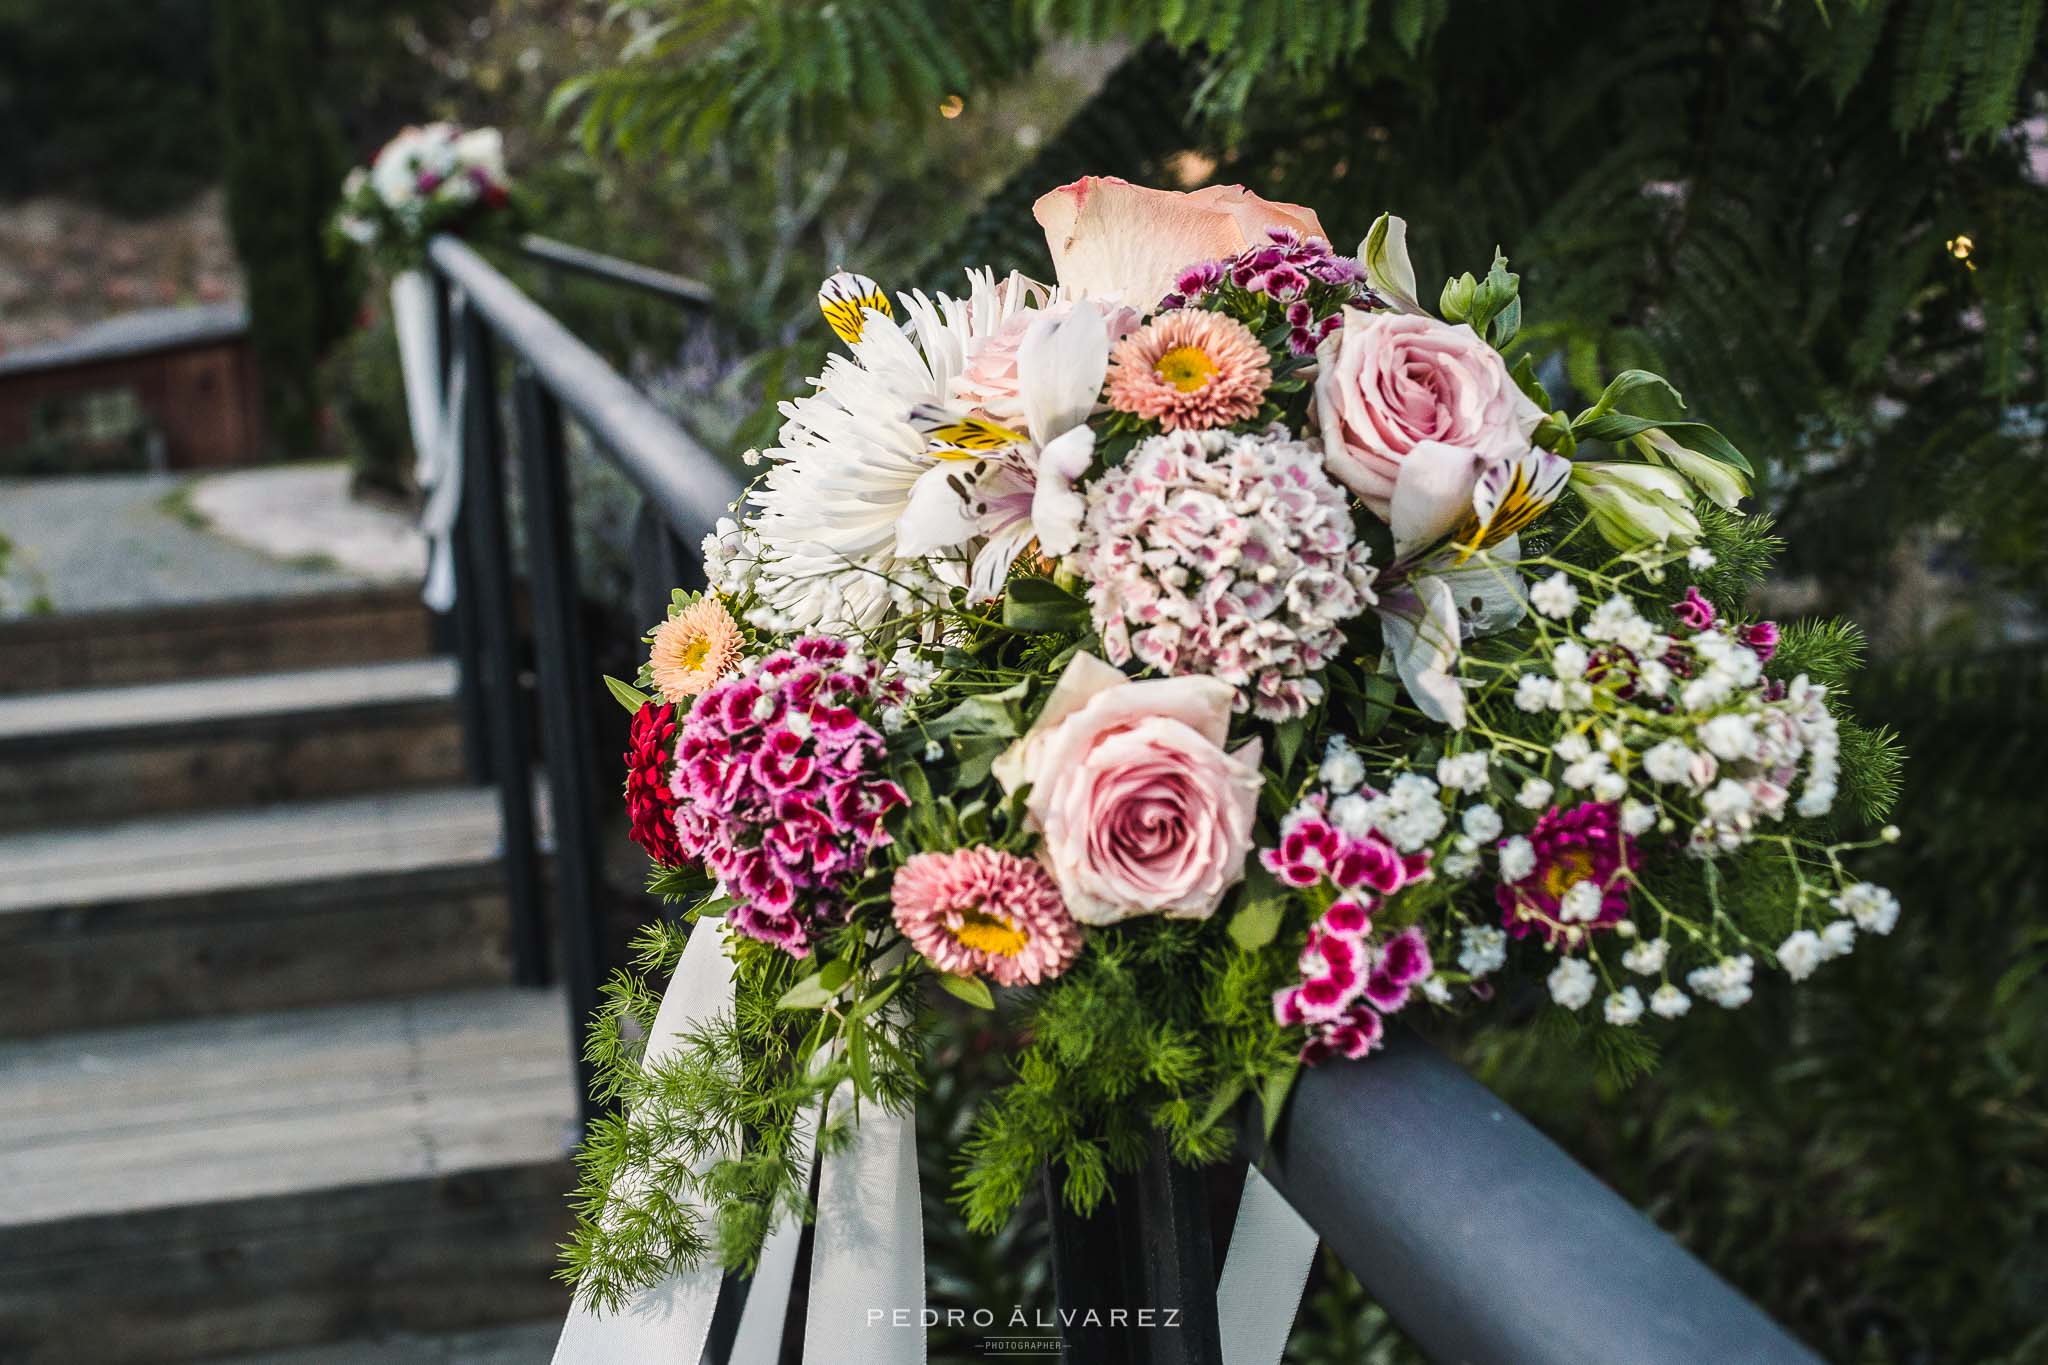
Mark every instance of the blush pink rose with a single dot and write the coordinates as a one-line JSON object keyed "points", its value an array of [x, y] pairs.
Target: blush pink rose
{"points": [[1110, 238], [1140, 809], [1390, 381]]}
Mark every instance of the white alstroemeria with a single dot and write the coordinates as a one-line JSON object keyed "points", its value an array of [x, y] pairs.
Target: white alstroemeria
{"points": [[1636, 505], [1456, 518], [1384, 254], [1720, 482], [1009, 487]]}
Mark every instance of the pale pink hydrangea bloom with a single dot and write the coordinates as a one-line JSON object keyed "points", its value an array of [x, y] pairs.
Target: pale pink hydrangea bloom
{"points": [[1230, 556]]}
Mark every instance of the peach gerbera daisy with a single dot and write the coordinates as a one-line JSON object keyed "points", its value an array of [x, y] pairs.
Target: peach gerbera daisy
{"points": [[693, 649], [1190, 370]]}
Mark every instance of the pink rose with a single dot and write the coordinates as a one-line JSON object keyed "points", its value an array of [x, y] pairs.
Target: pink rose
{"points": [[1390, 381], [1140, 809], [1110, 238]]}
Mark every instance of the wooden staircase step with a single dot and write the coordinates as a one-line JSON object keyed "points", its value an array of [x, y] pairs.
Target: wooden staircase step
{"points": [[225, 912], [213, 639], [192, 1190], [108, 753]]}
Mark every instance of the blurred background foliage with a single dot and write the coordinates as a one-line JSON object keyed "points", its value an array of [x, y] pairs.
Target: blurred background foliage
{"points": [[1827, 225]]}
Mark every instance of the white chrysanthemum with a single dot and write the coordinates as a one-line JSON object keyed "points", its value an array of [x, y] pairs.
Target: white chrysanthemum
{"points": [[839, 481]]}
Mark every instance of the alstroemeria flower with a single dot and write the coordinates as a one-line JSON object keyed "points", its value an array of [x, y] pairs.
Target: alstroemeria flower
{"points": [[1005, 486], [1456, 518]]}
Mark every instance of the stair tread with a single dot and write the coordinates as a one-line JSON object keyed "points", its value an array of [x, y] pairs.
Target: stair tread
{"points": [[215, 699], [204, 1111], [177, 855]]}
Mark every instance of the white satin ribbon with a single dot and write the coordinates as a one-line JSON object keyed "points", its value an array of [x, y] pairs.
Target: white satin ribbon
{"points": [[867, 1289], [669, 1321], [1271, 1252], [436, 422]]}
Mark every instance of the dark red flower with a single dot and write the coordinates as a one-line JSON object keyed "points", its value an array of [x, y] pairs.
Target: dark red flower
{"points": [[649, 802]]}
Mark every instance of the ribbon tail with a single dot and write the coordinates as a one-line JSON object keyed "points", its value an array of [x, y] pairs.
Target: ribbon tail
{"points": [[867, 1255], [1271, 1252], [669, 1321], [441, 476], [759, 1338], [419, 363]]}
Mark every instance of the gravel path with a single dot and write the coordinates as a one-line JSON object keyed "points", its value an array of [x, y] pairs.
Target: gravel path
{"points": [[112, 541]]}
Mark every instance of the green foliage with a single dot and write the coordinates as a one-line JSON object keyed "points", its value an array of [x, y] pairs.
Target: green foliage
{"points": [[713, 1122], [283, 165], [1106, 1035], [108, 99]]}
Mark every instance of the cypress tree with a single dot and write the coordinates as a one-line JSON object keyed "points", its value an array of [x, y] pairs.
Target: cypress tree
{"points": [[282, 167]]}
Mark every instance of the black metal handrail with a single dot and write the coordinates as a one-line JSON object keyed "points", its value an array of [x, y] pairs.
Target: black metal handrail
{"points": [[645, 279], [1483, 1240], [556, 379]]}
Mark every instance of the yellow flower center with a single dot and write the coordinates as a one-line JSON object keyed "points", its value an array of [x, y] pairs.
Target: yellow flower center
{"points": [[1573, 866], [695, 654], [1187, 368], [986, 933]]}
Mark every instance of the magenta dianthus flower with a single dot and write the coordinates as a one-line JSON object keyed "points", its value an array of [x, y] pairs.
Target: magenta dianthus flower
{"points": [[779, 787]]}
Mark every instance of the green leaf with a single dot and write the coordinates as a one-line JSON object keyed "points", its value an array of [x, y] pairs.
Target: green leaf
{"points": [[1381, 691], [816, 990], [1255, 925], [990, 713], [1273, 1097], [1221, 1103], [868, 1004], [1042, 607], [972, 989], [1616, 427], [1287, 738], [1257, 921], [1523, 372], [1624, 383], [629, 696]]}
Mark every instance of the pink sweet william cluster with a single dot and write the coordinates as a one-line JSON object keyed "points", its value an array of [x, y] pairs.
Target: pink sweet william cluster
{"points": [[779, 787], [1347, 981]]}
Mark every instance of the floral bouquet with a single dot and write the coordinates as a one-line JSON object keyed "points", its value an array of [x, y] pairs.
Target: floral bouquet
{"points": [[430, 179], [1198, 663]]}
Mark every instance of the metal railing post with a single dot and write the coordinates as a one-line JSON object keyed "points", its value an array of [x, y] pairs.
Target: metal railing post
{"points": [[458, 627], [1168, 1245], [565, 708], [491, 587], [1087, 1277]]}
